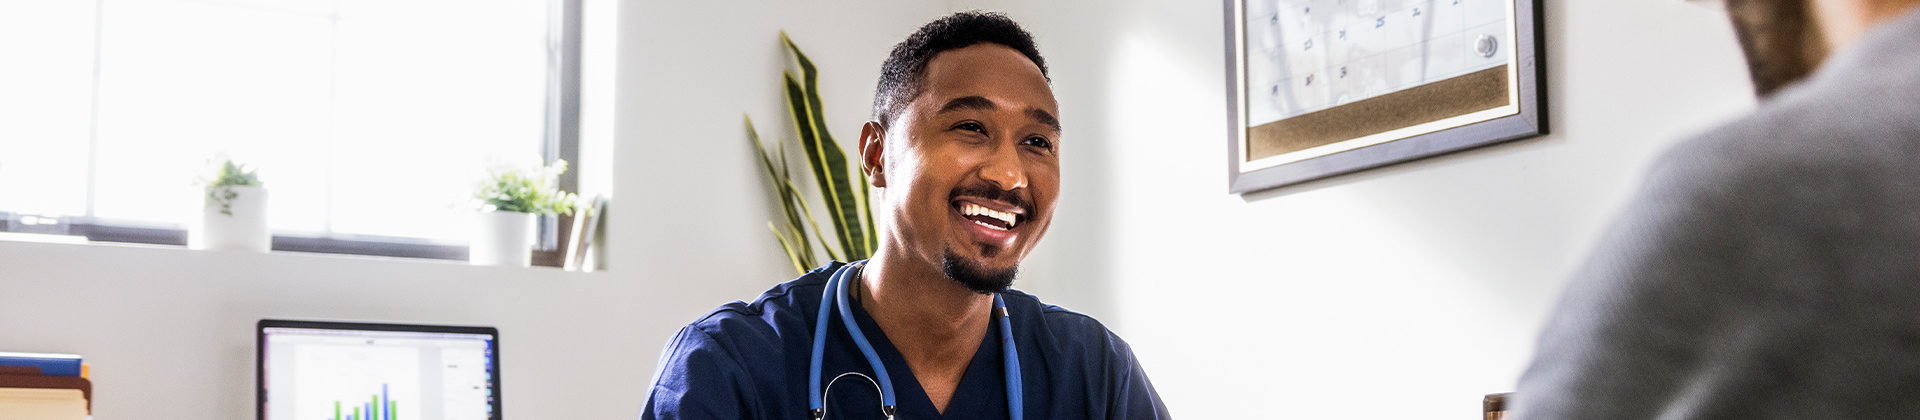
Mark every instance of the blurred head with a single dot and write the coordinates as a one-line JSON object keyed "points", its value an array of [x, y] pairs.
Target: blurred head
{"points": [[964, 148], [1782, 40]]}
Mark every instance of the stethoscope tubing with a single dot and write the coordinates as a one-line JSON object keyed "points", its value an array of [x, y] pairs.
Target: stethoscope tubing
{"points": [[860, 340], [835, 294], [1012, 355]]}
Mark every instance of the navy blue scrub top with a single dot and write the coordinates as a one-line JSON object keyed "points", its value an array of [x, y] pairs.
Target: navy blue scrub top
{"points": [[749, 361]]}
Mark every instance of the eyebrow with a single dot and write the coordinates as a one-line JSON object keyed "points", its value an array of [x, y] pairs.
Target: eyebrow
{"points": [[1044, 118], [968, 102], [983, 104]]}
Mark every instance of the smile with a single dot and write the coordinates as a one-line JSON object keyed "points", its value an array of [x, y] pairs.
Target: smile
{"points": [[990, 218]]}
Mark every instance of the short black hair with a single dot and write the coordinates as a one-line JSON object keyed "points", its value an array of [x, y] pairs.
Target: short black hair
{"points": [[905, 71]]}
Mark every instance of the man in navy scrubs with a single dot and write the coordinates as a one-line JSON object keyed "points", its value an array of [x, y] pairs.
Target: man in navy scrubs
{"points": [[964, 150]]}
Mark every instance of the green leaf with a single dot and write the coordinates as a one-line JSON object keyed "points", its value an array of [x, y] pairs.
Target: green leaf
{"points": [[799, 249], [798, 267], [227, 173], [829, 166], [526, 190], [846, 202], [801, 202], [843, 190]]}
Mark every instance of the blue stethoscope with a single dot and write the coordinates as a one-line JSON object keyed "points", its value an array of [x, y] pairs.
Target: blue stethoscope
{"points": [[834, 292]]}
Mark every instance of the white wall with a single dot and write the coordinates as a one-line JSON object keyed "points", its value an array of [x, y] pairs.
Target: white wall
{"points": [[1401, 293], [169, 332]]}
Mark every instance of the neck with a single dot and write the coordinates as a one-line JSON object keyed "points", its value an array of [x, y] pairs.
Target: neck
{"points": [[936, 323], [1844, 22], [926, 306]]}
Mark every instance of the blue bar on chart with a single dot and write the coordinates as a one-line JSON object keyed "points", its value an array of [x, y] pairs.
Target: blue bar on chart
{"points": [[378, 407]]}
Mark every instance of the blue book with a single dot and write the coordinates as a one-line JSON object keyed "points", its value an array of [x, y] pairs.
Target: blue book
{"points": [[49, 364]]}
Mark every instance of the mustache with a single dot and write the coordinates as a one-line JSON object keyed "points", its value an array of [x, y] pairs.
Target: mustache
{"points": [[991, 193]]}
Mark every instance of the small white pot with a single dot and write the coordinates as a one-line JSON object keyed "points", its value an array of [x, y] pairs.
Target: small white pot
{"points": [[503, 238], [240, 225]]}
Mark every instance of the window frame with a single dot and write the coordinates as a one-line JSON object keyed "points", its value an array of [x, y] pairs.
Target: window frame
{"points": [[562, 141]]}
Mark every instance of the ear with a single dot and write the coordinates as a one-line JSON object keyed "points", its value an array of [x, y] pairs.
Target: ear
{"points": [[873, 145]]}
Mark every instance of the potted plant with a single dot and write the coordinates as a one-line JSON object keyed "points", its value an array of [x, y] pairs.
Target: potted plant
{"points": [[234, 216], [510, 198]]}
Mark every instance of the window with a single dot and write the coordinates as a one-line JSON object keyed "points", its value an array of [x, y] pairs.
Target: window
{"points": [[369, 120]]}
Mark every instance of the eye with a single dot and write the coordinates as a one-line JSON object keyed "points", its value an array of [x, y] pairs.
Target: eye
{"points": [[970, 126], [1040, 142]]}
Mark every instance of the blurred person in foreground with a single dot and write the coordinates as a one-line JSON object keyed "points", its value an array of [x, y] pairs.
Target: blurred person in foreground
{"points": [[1769, 269]]}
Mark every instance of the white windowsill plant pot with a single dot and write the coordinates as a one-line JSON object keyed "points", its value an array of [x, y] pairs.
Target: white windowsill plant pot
{"points": [[236, 223], [233, 215], [503, 238]]}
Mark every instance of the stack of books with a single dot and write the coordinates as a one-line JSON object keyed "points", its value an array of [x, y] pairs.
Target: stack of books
{"points": [[37, 386], [1494, 406], [586, 227]]}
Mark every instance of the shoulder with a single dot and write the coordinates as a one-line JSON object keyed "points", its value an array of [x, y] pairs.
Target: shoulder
{"points": [[1070, 332], [748, 326], [1836, 130], [1085, 360], [730, 362], [1820, 156]]}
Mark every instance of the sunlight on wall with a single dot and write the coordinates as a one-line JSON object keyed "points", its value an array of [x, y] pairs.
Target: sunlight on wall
{"points": [[1276, 300]]}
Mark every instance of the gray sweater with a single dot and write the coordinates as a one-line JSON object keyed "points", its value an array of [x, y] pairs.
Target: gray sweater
{"points": [[1767, 270]]}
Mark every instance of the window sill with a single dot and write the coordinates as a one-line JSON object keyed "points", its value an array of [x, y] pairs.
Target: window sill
{"points": [[36, 238], [373, 246], [417, 249]]}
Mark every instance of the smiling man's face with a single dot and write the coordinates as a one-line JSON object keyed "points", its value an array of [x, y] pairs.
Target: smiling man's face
{"points": [[972, 166]]}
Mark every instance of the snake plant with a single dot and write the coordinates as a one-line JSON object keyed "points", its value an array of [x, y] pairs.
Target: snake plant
{"points": [[842, 189]]}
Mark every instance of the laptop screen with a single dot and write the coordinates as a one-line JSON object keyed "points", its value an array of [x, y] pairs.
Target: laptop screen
{"points": [[356, 371]]}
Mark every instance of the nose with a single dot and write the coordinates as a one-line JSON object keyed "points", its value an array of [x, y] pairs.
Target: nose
{"points": [[1003, 168]]}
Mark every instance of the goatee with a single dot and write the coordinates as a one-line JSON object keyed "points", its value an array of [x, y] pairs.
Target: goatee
{"points": [[976, 278]]}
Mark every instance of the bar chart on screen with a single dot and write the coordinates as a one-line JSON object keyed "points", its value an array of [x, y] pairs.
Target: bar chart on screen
{"points": [[357, 382], [379, 407]]}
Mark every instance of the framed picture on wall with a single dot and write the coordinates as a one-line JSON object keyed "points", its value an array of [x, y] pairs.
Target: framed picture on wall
{"points": [[1318, 88]]}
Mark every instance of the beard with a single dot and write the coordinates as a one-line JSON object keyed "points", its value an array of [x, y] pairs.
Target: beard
{"points": [[976, 278], [973, 276], [1782, 42]]}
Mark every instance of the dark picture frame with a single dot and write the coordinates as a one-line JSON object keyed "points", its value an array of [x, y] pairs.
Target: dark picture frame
{"points": [[1337, 135]]}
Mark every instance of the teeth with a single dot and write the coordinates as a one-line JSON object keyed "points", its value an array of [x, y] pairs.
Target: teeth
{"points": [[970, 209]]}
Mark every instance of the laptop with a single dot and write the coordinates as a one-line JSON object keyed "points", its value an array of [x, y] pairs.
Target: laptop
{"points": [[314, 370]]}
